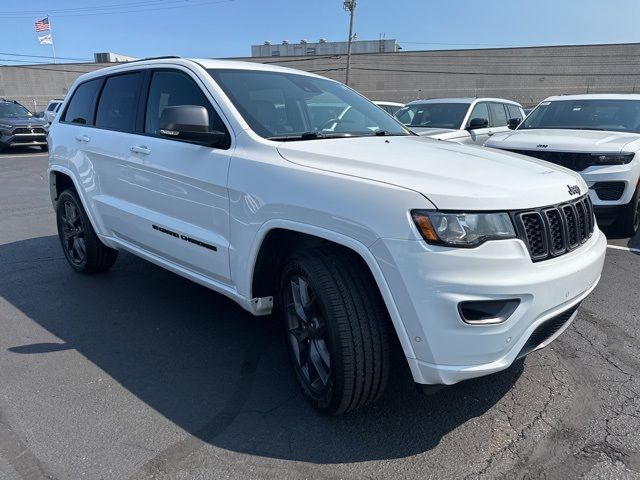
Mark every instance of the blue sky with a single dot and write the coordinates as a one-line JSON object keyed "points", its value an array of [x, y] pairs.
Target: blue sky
{"points": [[227, 28]]}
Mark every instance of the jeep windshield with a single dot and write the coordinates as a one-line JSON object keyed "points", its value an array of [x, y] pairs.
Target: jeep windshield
{"points": [[608, 115], [287, 106], [433, 115], [13, 110]]}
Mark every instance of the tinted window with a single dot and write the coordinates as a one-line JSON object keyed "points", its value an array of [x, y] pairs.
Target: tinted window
{"points": [[433, 115], [392, 109], [172, 88], [498, 115], [481, 110], [118, 102], [288, 105], [13, 110], [52, 107], [81, 104], [514, 112], [604, 114]]}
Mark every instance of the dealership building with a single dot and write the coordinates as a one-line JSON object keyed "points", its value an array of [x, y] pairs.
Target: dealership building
{"points": [[381, 70]]}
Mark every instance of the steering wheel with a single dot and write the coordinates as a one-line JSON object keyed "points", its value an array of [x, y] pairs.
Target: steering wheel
{"points": [[325, 125]]}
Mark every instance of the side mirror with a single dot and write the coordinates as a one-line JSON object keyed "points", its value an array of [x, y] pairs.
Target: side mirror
{"points": [[191, 123], [476, 123], [513, 123]]}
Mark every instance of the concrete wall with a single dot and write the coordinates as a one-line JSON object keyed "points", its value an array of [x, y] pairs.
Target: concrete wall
{"points": [[526, 75]]}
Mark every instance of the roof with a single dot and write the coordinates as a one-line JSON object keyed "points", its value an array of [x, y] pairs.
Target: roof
{"points": [[467, 100], [203, 62], [595, 96]]}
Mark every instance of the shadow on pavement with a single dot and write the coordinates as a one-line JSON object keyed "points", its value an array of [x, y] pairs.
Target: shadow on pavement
{"points": [[213, 369]]}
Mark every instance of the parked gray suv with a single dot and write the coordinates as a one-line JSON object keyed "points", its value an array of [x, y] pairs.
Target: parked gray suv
{"points": [[19, 128]]}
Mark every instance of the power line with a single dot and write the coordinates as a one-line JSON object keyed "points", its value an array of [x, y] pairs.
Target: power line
{"points": [[92, 11], [41, 56]]}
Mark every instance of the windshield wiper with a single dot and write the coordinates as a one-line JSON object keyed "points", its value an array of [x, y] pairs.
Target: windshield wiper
{"points": [[309, 136]]}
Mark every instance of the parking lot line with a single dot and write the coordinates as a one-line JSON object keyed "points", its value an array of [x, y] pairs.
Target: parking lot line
{"points": [[25, 155], [628, 249]]}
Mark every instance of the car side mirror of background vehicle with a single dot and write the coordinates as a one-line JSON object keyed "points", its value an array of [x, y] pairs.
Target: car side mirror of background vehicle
{"points": [[191, 123], [513, 123], [478, 123]]}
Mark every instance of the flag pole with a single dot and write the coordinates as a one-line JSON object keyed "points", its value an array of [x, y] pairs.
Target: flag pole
{"points": [[53, 47]]}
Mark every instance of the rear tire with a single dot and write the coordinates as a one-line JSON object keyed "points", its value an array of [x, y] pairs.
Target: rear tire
{"points": [[628, 222], [340, 349], [81, 246]]}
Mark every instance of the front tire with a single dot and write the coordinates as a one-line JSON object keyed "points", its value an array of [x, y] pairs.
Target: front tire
{"points": [[336, 329], [82, 248], [628, 222]]}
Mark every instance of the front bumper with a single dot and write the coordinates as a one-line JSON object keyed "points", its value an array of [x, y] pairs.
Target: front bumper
{"points": [[429, 282], [624, 174]]}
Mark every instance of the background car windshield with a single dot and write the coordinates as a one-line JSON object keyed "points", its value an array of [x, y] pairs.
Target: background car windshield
{"points": [[11, 110], [611, 115], [433, 115], [277, 104]]}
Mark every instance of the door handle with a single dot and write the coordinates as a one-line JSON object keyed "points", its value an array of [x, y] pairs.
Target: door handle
{"points": [[82, 138], [140, 149], [489, 133]]}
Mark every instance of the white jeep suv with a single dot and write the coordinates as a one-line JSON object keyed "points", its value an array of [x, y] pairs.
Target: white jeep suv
{"points": [[351, 233], [596, 135], [461, 120]]}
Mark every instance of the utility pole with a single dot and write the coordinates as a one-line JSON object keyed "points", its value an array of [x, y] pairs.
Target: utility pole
{"points": [[349, 6]]}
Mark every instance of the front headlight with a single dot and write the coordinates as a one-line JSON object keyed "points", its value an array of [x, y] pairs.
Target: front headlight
{"points": [[611, 158], [462, 229]]}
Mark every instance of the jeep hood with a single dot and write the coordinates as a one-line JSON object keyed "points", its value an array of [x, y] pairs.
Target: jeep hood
{"points": [[564, 140], [451, 176]]}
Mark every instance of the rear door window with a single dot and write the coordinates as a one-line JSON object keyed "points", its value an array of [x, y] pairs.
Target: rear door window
{"points": [[80, 109], [498, 115], [119, 102]]}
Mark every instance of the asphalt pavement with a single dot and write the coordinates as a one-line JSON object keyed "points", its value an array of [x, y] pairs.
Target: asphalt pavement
{"points": [[140, 374]]}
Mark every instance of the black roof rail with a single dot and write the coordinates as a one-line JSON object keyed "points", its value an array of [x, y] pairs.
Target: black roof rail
{"points": [[153, 58]]}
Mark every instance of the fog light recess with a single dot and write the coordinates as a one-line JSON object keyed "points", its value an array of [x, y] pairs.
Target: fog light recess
{"points": [[487, 312]]}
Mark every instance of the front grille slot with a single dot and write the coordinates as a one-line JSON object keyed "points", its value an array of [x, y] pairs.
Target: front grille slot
{"points": [[547, 330], [556, 231], [27, 131], [609, 191], [553, 231], [572, 226], [535, 234]]}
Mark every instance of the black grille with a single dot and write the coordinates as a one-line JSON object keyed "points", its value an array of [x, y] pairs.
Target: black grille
{"points": [[609, 190], [552, 231], [28, 131], [546, 331], [574, 160]]}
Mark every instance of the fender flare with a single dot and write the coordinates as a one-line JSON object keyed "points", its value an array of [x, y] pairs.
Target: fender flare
{"points": [[97, 226], [348, 242]]}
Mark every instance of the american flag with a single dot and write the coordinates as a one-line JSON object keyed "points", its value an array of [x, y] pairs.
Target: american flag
{"points": [[42, 25]]}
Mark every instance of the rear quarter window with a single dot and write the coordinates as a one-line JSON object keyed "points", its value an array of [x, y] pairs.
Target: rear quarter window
{"points": [[80, 109]]}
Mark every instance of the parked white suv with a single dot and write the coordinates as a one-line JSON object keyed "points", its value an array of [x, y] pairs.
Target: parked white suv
{"points": [[596, 135], [461, 120], [52, 110], [351, 233]]}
